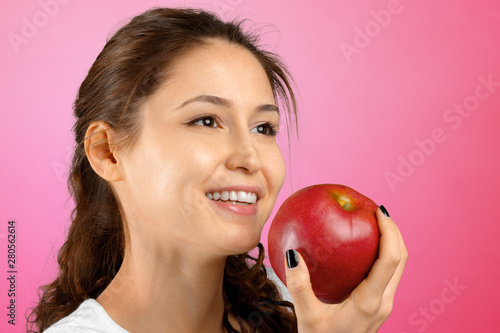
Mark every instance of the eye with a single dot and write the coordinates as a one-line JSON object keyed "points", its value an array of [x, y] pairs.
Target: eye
{"points": [[205, 121], [265, 129]]}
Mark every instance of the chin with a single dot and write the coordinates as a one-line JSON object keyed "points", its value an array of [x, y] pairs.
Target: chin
{"points": [[242, 244]]}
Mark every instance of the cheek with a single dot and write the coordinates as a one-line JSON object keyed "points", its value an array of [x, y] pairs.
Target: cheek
{"points": [[275, 169], [151, 173], [164, 165], [161, 194], [185, 170], [150, 182]]}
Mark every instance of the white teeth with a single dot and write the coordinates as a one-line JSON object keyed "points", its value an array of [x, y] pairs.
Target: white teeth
{"points": [[236, 196], [242, 196]]}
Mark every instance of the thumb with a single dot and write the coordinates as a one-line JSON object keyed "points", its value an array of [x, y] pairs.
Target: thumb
{"points": [[299, 285]]}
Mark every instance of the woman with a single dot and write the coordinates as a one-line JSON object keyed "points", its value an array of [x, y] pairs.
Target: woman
{"points": [[175, 172]]}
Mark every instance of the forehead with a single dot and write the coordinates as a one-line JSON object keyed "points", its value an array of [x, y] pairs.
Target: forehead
{"points": [[221, 69]]}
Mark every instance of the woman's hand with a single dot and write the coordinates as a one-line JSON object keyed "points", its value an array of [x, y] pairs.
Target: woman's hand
{"points": [[368, 306]]}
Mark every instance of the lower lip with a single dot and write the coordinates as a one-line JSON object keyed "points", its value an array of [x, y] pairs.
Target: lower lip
{"points": [[247, 210]]}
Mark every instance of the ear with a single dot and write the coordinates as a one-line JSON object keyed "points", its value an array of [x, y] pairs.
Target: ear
{"points": [[99, 150]]}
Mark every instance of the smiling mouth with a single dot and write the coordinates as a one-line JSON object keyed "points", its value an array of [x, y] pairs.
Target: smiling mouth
{"points": [[234, 197]]}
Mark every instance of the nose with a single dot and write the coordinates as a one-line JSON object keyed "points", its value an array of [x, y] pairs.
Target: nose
{"points": [[243, 155]]}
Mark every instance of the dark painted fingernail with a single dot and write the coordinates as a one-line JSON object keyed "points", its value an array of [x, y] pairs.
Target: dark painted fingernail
{"points": [[292, 258], [386, 213]]}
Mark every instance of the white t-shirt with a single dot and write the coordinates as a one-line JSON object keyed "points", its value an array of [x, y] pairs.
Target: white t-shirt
{"points": [[90, 316]]}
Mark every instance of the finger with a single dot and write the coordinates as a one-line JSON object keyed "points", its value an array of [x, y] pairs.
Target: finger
{"points": [[299, 285], [388, 261], [393, 284]]}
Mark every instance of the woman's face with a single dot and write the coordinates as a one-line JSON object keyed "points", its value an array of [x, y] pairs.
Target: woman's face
{"points": [[207, 134]]}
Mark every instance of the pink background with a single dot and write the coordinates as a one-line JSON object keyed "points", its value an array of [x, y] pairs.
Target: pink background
{"points": [[375, 79]]}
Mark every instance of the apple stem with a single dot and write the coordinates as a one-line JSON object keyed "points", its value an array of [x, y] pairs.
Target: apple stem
{"points": [[347, 206]]}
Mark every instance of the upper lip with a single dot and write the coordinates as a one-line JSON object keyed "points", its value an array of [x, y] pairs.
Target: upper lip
{"points": [[236, 188]]}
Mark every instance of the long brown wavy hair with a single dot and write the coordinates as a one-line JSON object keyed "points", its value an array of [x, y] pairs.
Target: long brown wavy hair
{"points": [[131, 67]]}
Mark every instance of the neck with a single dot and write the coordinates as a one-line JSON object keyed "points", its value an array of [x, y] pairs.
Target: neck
{"points": [[180, 290]]}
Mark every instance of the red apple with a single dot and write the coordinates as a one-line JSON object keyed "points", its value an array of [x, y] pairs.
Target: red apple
{"points": [[335, 230]]}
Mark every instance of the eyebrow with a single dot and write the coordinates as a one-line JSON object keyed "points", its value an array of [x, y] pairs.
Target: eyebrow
{"points": [[220, 101]]}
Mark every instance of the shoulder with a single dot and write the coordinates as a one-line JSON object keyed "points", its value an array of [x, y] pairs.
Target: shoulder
{"points": [[89, 317]]}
